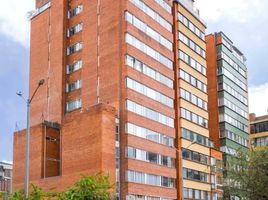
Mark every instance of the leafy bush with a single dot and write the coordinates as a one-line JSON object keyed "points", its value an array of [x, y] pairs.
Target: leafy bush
{"points": [[97, 187]]}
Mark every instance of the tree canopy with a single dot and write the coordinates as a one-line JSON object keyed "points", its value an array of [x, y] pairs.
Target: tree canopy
{"points": [[247, 175]]}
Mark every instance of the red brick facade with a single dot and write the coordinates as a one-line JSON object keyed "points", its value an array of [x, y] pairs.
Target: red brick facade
{"points": [[87, 141], [213, 90], [87, 147]]}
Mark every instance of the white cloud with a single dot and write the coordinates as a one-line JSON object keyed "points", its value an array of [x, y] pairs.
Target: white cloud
{"points": [[13, 19], [258, 99], [240, 11], [8, 162]]}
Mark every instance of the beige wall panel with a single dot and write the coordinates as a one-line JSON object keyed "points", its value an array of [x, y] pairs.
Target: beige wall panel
{"points": [[193, 108], [186, 31], [258, 135], [196, 166], [196, 185], [195, 147], [193, 72], [195, 128], [189, 16], [193, 90], [192, 53]]}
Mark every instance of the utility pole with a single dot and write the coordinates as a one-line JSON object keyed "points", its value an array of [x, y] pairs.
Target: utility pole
{"points": [[28, 102]]}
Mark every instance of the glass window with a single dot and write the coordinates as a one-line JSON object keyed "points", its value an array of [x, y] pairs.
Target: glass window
{"points": [[164, 182], [187, 97], [130, 176], [197, 194], [196, 157], [187, 77], [194, 118], [140, 155], [187, 154], [131, 152], [153, 179], [193, 81], [194, 99], [152, 157]]}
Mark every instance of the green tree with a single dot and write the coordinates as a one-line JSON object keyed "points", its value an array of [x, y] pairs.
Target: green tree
{"points": [[247, 175], [90, 188]]}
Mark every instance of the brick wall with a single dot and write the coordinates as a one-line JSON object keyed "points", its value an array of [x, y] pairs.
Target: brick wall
{"points": [[88, 147]]}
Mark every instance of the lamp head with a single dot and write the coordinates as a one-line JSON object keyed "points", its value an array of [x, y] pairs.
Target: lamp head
{"points": [[19, 93], [41, 82]]}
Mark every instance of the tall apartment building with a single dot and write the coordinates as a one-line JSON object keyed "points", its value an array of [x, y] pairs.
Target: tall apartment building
{"points": [[228, 95], [5, 178], [258, 131], [125, 92]]}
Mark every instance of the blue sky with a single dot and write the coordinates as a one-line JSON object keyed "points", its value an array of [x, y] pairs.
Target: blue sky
{"points": [[244, 21]]}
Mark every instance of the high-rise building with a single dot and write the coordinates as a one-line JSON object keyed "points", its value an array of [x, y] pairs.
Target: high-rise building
{"points": [[228, 95], [5, 178], [125, 92], [258, 131]]}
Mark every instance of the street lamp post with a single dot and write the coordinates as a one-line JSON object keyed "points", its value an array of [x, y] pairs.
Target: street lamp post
{"points": [[180, 151], [28, 102]]}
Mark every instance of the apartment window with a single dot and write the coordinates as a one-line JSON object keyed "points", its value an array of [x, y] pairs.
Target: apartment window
{"points": [[150, 157], [195, 175], [140, 155], [227, 44], [234, 122], [261, 142], [150, 114], [148, 30], [192, 136], [233, 92], [238, 55], [259, 127], [232, 63], [73, 105], [194, 194], [153, 179], [74, 67], [213, 181], [233, 107], [164, 5], [233, 78], [131, 152], [150, 12], [74, 48], [194, 156], [75, 11], [149, 179], [153, 94], [228, 150], [148, 71], [149, 134], [192, 45], [142, 197], [193, 81], [148, 51], [192, 62], [194, 118], [77, 28], [191, 26], [73, 86]]}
